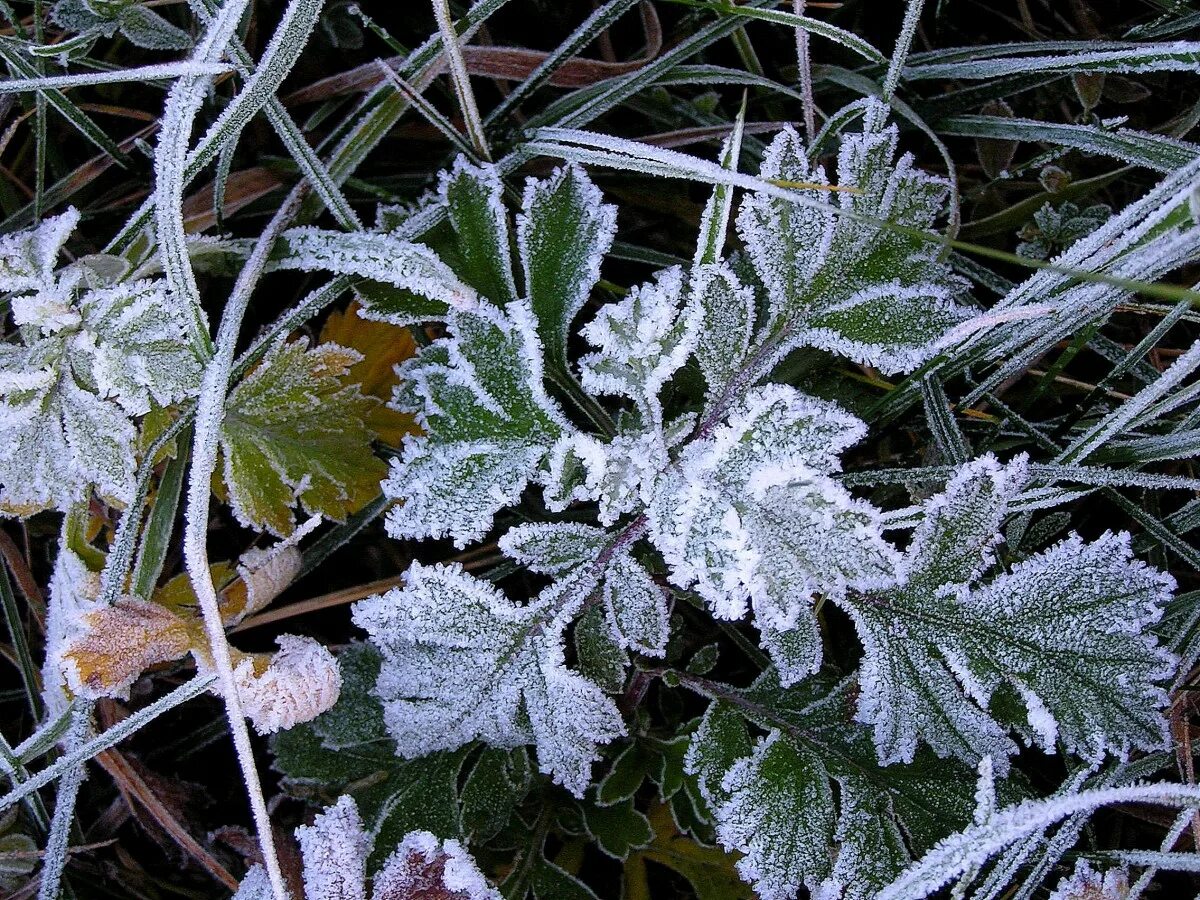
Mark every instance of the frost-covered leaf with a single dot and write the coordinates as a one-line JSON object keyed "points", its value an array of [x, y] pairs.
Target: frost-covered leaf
{"points": [[752, 518], [774, 801], [637, 609], [642, 341], [462, 661], [255, 886], [294, 432], [876, 295], [871, 849], [295, 684], [478, 394], [87, 361], [146, 28], [120, 642], [618, 474], [335, 849], [563, 232], [719, 742], [28, 258], [1056, 629], [357, 718], [780, 815], [143, 27], [474, 198], [726, 323]]}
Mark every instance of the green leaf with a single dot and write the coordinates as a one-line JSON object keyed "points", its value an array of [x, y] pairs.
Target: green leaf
{"points": [[492, 791], [478, 393], [618, 828], [1054, 629], [395, 796], [844, 281], [146, 28], [400, 270], [721, 740], [549, 882], [780, 813], [601, 658], [563, 233], [626, 775], [295, 433], [474, 198], [357, 717]]}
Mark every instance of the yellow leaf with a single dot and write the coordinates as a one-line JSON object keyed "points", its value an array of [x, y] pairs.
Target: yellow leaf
{"points": [[710, 870], [382, 347], [122, 641]]}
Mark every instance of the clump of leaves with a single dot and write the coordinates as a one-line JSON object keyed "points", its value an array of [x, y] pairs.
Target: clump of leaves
{"points": [[759, 571]]}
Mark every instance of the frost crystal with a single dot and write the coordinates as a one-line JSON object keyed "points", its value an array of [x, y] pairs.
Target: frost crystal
{"points": [[299, 683], [461, 661], [88, 361], [876, 295], [939, 646], [489, 423], [751, 517]]}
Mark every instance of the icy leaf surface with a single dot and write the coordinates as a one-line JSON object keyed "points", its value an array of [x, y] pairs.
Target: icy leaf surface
{"points": [[563, 232], [841, 281], [297, 684], [752, 519], [86, 363], [474, 199], [461, 661], [780, 815], [120, 642], [142, 26], [1062, 629], [295, 433], [489, 423], [636, 608], [774, 801], [643, 340], [335, 849], [726, 323], [381, 258]]}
